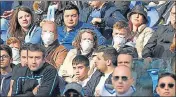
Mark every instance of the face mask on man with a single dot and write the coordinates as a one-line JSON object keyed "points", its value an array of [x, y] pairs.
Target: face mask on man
{"points": [[15, 55], [86, 46], [47, 37], [119, 41]]}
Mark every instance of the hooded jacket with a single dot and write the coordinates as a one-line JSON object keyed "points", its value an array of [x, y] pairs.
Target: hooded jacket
{"points": [[5, 84]]}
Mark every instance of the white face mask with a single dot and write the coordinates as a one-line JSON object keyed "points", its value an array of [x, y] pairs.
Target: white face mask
{"points": [[15, 55], [86, 46], [47, 37], [119, 40]]}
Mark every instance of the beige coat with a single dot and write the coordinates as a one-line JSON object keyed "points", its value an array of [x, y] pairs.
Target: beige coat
{"points": [[66, 68], [142, 37]]}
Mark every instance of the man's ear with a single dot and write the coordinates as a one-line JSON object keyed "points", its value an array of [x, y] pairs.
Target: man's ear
{"points": [[132, 81], [157, 89], [108, 62]]}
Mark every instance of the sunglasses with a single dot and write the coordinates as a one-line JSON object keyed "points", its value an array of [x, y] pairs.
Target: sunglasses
{"points": [[116, 78], [170, 85]]}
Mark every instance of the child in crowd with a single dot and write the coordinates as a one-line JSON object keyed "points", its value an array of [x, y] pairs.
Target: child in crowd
{"points": [[80, 69]]}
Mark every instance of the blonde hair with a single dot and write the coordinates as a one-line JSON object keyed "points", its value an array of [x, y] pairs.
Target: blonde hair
{"points": [[77, 40], [48, 22], [12, 40]]}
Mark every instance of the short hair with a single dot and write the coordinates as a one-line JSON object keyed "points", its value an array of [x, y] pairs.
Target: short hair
{"points": [[167, 74], [48, 22], [108, 53], [121, 25], [7, 49], [129, 50], [81, 59], [25, 47], [71, 6], [37, 47], [12, 40], [77, 39]]}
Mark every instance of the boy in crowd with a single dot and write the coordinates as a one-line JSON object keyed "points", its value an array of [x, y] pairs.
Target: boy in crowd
{"points": [[80, 69]]}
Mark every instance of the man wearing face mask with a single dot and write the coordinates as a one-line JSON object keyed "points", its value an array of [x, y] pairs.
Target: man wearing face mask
{"points": [[55, 53], [14, 43], [121, 37], [84, 44]]}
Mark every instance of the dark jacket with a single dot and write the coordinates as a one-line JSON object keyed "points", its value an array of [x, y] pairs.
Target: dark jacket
{"points": [[46, 77], [159, 42], [110, 14], [5, 82], [89, 89]]}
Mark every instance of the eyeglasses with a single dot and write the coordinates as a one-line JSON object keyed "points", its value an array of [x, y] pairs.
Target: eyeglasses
{"points": [[170, 85], [116, 78], [4, 56]]}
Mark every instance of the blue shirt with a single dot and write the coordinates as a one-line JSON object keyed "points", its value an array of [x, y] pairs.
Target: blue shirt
{"points": [[66, 38]]}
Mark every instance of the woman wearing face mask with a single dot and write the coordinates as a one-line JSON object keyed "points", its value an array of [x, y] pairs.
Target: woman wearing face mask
{"points": [[139, 30], [22, 26], [85, 43], [14, 43]]}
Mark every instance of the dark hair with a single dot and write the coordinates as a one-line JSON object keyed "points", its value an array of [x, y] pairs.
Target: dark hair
{"points": [[15, 29], [71, 6], [81, 59], [37, 47], [25, 47], [166, 74], [108, 53], [76, 94], [7, 49], [129, 50]]}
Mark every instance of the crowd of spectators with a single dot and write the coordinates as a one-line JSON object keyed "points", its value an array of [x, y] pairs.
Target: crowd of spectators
{"points": [[87, 48]]}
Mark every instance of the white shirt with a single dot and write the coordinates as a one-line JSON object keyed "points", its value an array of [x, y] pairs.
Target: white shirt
{"points": [[84, 82], [101, 83]]}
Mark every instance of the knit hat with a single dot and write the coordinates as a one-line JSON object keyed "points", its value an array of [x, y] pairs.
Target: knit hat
{"points": [[138, 9]]}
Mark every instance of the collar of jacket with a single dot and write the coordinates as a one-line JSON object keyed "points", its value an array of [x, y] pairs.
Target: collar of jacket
{"points": [[39, 70], [141, 28], [52, 47], [7, 75], [87, 55]]}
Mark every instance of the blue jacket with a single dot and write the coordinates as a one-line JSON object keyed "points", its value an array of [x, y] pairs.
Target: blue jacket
{"points": [[109, 14], [33, 36], [66, 38], [5, 82]]}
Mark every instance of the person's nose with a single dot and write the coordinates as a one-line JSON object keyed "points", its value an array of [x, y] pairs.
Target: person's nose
{"points": [[33, 60]]}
